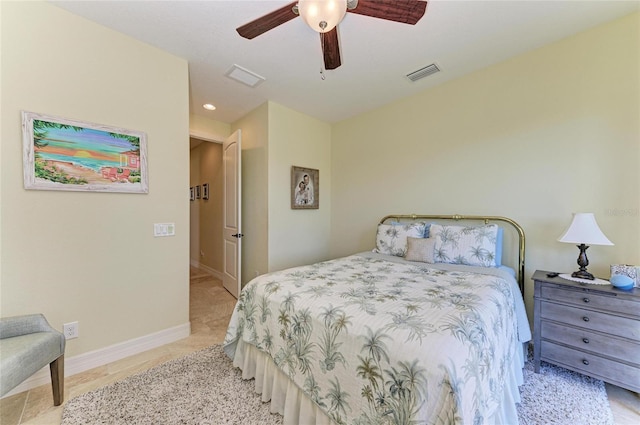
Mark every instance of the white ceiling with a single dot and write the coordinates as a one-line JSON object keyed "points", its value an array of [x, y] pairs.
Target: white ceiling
{"points": [[459, 36]]}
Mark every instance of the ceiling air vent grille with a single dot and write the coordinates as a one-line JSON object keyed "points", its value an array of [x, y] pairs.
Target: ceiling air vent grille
{"points": [[423, 72], [244, 76]]}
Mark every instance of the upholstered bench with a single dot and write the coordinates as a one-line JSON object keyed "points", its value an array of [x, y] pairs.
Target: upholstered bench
{"points": [[27, 344]]}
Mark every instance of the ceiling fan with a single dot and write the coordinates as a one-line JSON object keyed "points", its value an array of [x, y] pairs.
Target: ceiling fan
{"points": [[323, 16]]}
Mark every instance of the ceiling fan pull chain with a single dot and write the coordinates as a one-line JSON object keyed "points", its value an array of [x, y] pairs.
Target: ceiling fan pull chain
{"points": [[322, 76]]}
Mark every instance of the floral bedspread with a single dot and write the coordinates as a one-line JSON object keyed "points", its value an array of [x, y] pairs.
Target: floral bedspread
{"points": [[372, 341]]}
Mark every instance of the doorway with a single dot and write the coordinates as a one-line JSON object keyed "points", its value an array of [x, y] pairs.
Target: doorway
{"points": [[206, 206]]}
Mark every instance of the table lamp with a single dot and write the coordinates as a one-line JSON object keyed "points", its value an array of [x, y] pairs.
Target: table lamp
{"points": [[584, 231]]}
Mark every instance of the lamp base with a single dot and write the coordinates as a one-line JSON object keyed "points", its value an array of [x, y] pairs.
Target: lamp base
{"points": [[583, 274], [583, 262]]}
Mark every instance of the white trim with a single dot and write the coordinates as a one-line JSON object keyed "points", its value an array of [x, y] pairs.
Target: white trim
{"points": [[215, 273], [207, 137], [112, 353]]}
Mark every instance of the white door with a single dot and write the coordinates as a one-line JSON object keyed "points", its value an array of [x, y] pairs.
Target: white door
{"points": [[232, 210]]}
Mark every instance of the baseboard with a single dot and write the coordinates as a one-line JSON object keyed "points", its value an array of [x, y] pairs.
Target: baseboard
{"points": [[215, 273], [112, 353]]}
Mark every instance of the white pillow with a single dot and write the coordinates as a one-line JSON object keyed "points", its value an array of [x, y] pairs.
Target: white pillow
{"points": [[420, 249], [392, 239], [469, 245]]}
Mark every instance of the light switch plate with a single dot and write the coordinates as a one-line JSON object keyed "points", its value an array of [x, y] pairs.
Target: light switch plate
{"points": [[164, 229]]}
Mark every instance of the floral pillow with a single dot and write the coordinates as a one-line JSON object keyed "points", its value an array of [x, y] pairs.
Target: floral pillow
{"points": [[469, 245], [426, 226], [420, 249], [391, 239]]}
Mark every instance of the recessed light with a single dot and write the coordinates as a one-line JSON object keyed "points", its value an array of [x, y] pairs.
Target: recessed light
{"points": [[209, 106]]}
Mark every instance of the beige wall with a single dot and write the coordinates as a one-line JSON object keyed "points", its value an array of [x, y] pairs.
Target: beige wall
{"points": [[208, 129], [297, 236], [211, 210], [206, 214], [275, 138], [194, 206], [535, 138], [254, 197], [92, 257]]}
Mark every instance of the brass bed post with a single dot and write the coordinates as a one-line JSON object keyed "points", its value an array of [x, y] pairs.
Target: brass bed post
{"points": [[486, 219]]}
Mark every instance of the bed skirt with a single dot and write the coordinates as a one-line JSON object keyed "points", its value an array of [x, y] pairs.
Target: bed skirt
{"points": [[296, 408]]}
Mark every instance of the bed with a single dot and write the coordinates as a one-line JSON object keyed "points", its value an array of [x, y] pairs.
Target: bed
{"points": [[421, 330]]}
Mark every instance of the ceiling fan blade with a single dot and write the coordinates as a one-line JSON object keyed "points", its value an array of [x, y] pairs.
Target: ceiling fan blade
{"points": [[404, 11], [267, 22], [330, 49]]}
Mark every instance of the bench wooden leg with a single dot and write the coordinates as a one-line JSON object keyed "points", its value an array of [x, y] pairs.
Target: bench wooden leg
{"points": [[57, 380]]}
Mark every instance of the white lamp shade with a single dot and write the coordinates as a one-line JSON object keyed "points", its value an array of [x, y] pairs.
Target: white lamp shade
{"points": [[314, 12], [584, 230]]}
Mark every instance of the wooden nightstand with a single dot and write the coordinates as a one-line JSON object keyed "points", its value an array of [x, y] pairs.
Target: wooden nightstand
{"points": [[590, 329]]}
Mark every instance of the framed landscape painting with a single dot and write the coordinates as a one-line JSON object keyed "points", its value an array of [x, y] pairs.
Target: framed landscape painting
{"points": [[305, 188], [65, 154]]}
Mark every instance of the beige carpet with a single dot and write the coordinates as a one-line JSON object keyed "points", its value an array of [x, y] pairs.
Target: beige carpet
{"points": [[559, 396], [204, 388]]}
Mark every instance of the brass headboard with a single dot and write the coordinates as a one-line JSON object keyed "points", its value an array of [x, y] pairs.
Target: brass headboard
{"points": [[486, 220]]}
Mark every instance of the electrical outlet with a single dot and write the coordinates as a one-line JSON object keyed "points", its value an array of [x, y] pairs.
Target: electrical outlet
{"points": [[70, 330]]}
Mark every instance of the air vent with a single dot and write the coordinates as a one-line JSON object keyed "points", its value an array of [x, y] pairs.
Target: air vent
{"points": [[244, 76], [423, 72]]}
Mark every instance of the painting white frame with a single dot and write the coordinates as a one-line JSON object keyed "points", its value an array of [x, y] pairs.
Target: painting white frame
{"points": [[106, 159]]}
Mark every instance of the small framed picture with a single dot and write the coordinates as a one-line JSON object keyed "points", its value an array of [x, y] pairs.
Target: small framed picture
{"points": [[198, 192], [192, 194], [205, 191], [305, 188]]}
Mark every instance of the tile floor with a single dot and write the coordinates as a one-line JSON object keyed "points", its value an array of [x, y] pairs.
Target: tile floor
{"points": [[210, 309]]}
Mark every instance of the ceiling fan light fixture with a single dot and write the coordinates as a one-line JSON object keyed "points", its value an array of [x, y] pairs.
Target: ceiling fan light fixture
{"points": [[322, 15]]}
